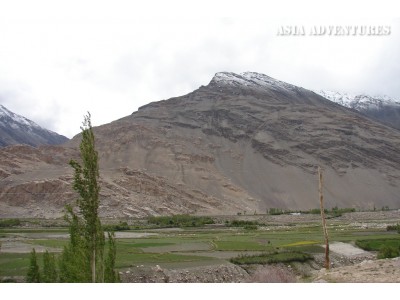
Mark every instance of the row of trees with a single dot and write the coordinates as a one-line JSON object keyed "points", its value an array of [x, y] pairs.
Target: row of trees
{"points": [[84, 258]]}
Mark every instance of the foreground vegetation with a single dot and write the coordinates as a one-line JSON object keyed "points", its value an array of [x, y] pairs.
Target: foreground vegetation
{"points": [[185, 246], [272, 258], [386, 248], [180, 221], [83, 257], [10, 223]]}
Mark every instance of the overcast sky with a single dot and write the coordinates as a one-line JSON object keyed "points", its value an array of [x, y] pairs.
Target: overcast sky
{"points": [[59, 61]]}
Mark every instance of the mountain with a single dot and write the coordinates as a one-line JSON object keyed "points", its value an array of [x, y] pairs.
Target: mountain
{"points": [[243, 143], [16, 129], [382, 108]]}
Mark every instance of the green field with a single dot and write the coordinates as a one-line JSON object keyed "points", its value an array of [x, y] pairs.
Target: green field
{"points": [[192, 246], [377, 244]]}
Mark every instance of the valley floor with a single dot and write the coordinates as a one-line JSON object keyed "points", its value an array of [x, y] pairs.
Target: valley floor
{"points": [[203, 254]]}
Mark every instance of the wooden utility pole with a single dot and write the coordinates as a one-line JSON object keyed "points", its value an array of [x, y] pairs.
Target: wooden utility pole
{"points": [[321, 201]]}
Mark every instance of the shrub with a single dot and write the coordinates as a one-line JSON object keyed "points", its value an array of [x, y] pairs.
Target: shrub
{"points": [[334, 212], [180, 221], [242, 223], [271, 258], [393, 227], [338, 212], [378, 244], [49, 268], [275, 211], [250, 227], [10, 223], [119, 227], [388, 252], [33, 275]]}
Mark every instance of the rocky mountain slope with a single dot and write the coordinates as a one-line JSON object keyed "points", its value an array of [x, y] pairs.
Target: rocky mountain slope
{"points": [[16, 129], [382, 108], [242, 144]]}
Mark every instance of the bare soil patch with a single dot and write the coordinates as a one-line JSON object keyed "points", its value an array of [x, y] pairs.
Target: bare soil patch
{"points": [[368, 271], [21, 247], [204, 274], [349, 250]]}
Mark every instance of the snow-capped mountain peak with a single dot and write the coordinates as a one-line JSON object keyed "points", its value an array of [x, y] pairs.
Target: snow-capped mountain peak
{"points": [[381, 108], [15, 120], [250, 79], [359, 102], [16, 129]]}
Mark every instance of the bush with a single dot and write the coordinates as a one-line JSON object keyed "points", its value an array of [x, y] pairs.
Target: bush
{"points": [[180, 221], [271, 258], [119, 227], [317, 211], [33, 275], [242, 223], [250, 227], [337, 212], [377, 244], [393, 228], [388, 252], [275, 211], [334, 212], [9, 223]]}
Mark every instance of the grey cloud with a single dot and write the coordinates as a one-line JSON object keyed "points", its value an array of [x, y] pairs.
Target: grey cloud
{"points": [[171, 60], [384, 72], [17, 97]]}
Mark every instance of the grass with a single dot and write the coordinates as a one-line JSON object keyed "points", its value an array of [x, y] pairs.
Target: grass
{"points": [[377, 244], [271, 258], [56, 243], [9, 223], [313, 249], [301, 243], [239, 246], [146, 245], [180, 221], [241, 223], [32, 230], [15, 264], [294, 242], [388, 252]]}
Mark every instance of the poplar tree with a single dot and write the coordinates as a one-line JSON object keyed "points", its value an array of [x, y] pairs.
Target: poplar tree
{"points": [[49, 268], [33, 275], [110, 275], [83, 258]]}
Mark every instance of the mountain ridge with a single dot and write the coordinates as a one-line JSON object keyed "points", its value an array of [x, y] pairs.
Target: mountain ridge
{"points": [[225, 148], [16, 129], [381, 108]]}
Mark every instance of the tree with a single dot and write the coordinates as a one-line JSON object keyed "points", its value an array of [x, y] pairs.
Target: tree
{"points": [[33, 275], [83, 258], [110, 275], [85, 183], [49, 268]]}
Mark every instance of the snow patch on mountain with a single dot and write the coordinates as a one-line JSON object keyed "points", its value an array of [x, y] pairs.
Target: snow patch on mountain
{"points": [[16, 129], [250, 79], [359, 102], [12, 119]]}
